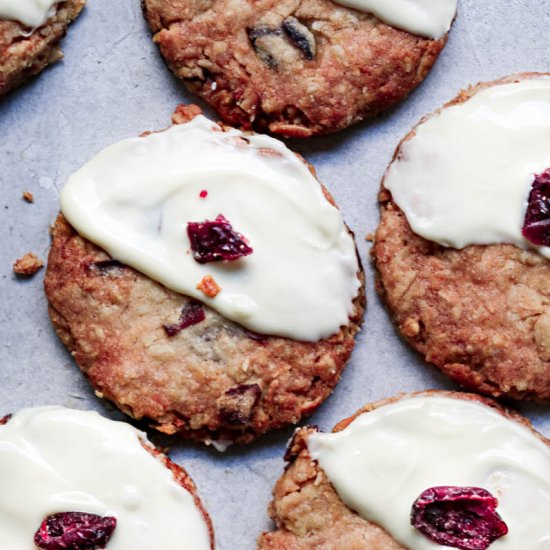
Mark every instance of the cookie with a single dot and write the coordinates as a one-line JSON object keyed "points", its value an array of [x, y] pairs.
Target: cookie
{"points": [[74, 479], [171, 357], [29, 45], [356, 487], [295, 69], [471, 293]]}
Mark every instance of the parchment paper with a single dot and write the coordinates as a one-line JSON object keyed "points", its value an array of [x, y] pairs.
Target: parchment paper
{"points": [[113, 84]]}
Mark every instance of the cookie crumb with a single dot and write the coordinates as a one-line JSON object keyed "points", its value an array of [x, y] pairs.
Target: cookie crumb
{"points": [[28, 265], [185, 113], [411, 327], [28, 196], [369, 237], [209, 287]]}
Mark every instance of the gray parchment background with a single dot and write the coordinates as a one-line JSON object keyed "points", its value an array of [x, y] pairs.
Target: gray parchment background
{"points": [[113, 84]]}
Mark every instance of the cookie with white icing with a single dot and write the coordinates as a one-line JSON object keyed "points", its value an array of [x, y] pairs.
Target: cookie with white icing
{"points": [[358, 486], [73, 479], [300, 68], [214, 350], [30, 36], [461, 264]]}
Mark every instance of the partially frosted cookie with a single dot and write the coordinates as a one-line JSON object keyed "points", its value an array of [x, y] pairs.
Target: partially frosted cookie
{"points": [[75, 480], [418, 472], [300, 68], [462, 249], [30, 34], [244, 294]]}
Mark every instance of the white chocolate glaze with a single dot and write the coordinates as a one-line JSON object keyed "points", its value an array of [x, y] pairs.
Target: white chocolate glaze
{"points": [[135, 198], [32, 13], [60, 460], [386, 458], [430, 18], [465, 176]]}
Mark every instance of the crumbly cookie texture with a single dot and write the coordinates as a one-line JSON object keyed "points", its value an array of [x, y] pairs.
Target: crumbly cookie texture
{"points": [[214, 380], [292, 67], [27, 265], [23, 55], [480, 314], [307, 511]]}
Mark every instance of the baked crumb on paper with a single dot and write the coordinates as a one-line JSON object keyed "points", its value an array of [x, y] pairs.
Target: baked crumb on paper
{"points": [[27, 265]]}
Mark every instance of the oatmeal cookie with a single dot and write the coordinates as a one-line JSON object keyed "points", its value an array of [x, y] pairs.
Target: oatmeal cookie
{"points": [[121, 498], [195, 373], [309, 513], [480, 314], [24, 53], [294, 68]]}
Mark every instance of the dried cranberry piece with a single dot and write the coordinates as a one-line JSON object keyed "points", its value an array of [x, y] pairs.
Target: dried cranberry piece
{"points": [[107, 267], [191, 314], [300, 36], [75, 531], [237, 404], [536, 227], [461, 517], [215, 241], [257, 36]]}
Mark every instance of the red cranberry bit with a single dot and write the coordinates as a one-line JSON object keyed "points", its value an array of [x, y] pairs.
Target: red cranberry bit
{"points": [[191, 314], [203, 194], [75, 531], [216, 241], [461, 517], [536, 227], [237, 404]]}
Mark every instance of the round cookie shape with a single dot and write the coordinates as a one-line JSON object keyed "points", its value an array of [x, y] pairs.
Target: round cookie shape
{"points": [[291, 68], [70, 464], [183, 368], [507, 459], [26, 48], [241, 210], [481, 313]]}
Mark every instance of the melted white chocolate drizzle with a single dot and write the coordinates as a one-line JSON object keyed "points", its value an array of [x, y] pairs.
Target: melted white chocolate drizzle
{"points": [[429, 18], [135, 198], [55, 460], [32, 13], [384, 460], [465, 176]]}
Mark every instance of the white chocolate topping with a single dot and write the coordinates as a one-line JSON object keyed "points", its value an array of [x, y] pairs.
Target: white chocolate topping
{"points": [[32, 13], [135, 198], [384, 460], [465, 176], [430, 18], [56, 460]]}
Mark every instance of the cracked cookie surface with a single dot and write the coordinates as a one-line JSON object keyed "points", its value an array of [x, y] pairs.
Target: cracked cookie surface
{"points": [[291, 67], [23, 55], [212, 379], [480, 314]]}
